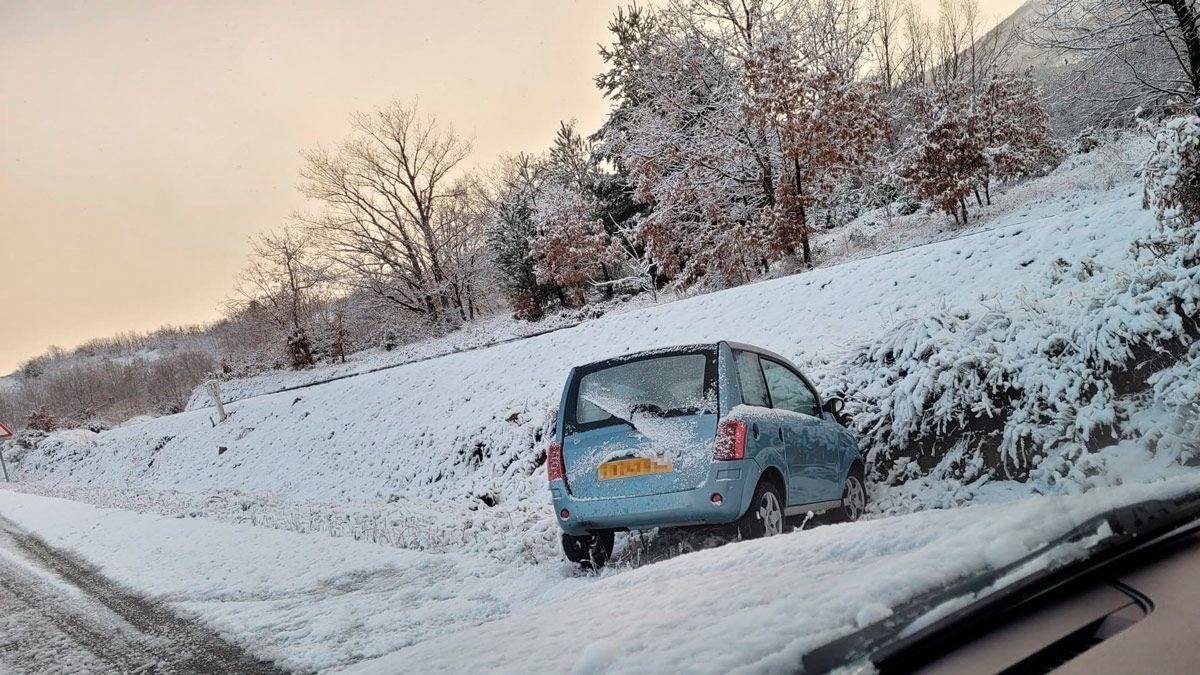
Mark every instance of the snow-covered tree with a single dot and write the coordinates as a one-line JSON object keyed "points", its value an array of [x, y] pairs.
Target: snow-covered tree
{"points": [[803, 92], [510, 232], [691, 157], [943, 159], [962, 138], [571, 247], [1016, 135], [726, 167]]}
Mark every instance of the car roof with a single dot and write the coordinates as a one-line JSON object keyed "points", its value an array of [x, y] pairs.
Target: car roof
{"points": [[740, 346]]}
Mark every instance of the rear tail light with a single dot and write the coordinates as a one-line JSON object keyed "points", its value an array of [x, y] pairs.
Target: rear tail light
{"points": [[554, 462], [731, 440]]}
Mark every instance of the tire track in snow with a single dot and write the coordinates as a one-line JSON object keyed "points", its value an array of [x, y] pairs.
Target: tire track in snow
{"points": [[58, 615]]}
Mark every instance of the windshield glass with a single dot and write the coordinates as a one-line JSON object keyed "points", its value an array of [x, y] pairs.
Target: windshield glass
{"points": [[659, 386], [589, 336]]}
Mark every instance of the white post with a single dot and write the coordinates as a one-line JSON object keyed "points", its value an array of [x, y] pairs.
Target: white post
{"points": [[2, 464], [214, 392]]}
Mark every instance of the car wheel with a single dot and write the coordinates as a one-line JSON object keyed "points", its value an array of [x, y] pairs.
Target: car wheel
{"points": [[764, 518], [591, 551], [854, 498]]}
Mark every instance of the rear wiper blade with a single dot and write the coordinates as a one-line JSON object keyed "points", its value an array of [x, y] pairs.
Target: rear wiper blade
{"points": [[887, 649], [611, 413]]}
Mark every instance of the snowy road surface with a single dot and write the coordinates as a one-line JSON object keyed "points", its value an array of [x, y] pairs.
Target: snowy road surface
{"points": [[59, 616], [317, 603]]}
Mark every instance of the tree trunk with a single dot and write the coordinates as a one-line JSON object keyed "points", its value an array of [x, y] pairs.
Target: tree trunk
{"points": [[458, 302], [803, 214], [1186, 16], [608, 289]]}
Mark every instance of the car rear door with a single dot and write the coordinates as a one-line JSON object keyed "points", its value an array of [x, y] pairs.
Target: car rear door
{"points": [[812, 442], [766, 431]]}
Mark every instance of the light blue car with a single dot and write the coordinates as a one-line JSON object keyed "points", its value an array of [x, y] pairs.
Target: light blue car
{"points": [[707, 434]]}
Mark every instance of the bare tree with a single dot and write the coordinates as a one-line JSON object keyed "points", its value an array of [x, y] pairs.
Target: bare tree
{"points": [[385, 193], [963, 52], [886, 42], [917, 56], [1125, 53], [461, 226], [285, 276], [287, 282]]}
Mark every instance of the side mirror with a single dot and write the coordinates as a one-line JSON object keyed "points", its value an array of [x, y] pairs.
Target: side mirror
{"points": [[834, 406]]}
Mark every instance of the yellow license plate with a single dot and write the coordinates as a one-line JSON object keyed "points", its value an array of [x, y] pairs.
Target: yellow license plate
{"points": [[638, 466]]}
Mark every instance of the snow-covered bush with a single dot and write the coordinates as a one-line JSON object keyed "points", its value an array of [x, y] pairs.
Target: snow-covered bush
{"points": [[1033, 388], [1172, 172], [1002, 389], [41, 420], [1086, 141]]}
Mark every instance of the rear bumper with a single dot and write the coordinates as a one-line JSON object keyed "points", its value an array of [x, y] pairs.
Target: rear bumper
{"points": [[734, 481]]}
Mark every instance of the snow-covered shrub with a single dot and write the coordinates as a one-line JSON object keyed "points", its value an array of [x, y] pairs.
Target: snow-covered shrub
{"points": [[300, 349], [1172, 172], [907, 206], [1086, 141], [1005, 388], [41, 420], [27, 439]]}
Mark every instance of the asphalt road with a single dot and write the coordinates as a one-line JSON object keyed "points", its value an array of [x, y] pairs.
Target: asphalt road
{"points": [[57, 615]]}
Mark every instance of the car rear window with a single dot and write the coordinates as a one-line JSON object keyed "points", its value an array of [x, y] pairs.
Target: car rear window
{"points": [[661, 386]]}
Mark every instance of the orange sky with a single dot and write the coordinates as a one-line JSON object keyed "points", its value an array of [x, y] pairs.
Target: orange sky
{"points": [[141, 143]]}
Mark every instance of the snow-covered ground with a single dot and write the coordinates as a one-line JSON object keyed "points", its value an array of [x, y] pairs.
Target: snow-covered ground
{"points": [[441, 459], [489, 331], [314, 603]]}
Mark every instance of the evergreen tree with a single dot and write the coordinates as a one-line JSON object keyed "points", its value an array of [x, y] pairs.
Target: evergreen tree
{"points": [[509, 235]]}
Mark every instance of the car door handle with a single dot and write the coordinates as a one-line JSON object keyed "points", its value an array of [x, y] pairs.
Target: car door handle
{"points": [[780, 434], [754, 431]]}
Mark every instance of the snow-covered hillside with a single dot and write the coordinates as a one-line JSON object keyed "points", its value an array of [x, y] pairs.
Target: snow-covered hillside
{"points": [[445, 453]]}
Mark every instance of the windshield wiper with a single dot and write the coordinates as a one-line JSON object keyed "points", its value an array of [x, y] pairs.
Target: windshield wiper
{"points": [[886, 648], [612, 414]]}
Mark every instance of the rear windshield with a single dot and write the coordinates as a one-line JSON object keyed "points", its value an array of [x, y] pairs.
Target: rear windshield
{"points": [[657, 386]]}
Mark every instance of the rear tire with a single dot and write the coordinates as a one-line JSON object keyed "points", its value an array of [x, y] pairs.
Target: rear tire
{"points": [[591, 551], [854, 497], [765, 517]]}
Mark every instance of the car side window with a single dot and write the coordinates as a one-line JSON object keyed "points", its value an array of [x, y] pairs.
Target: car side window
{"points": [[750, 377], [788, 391]]}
